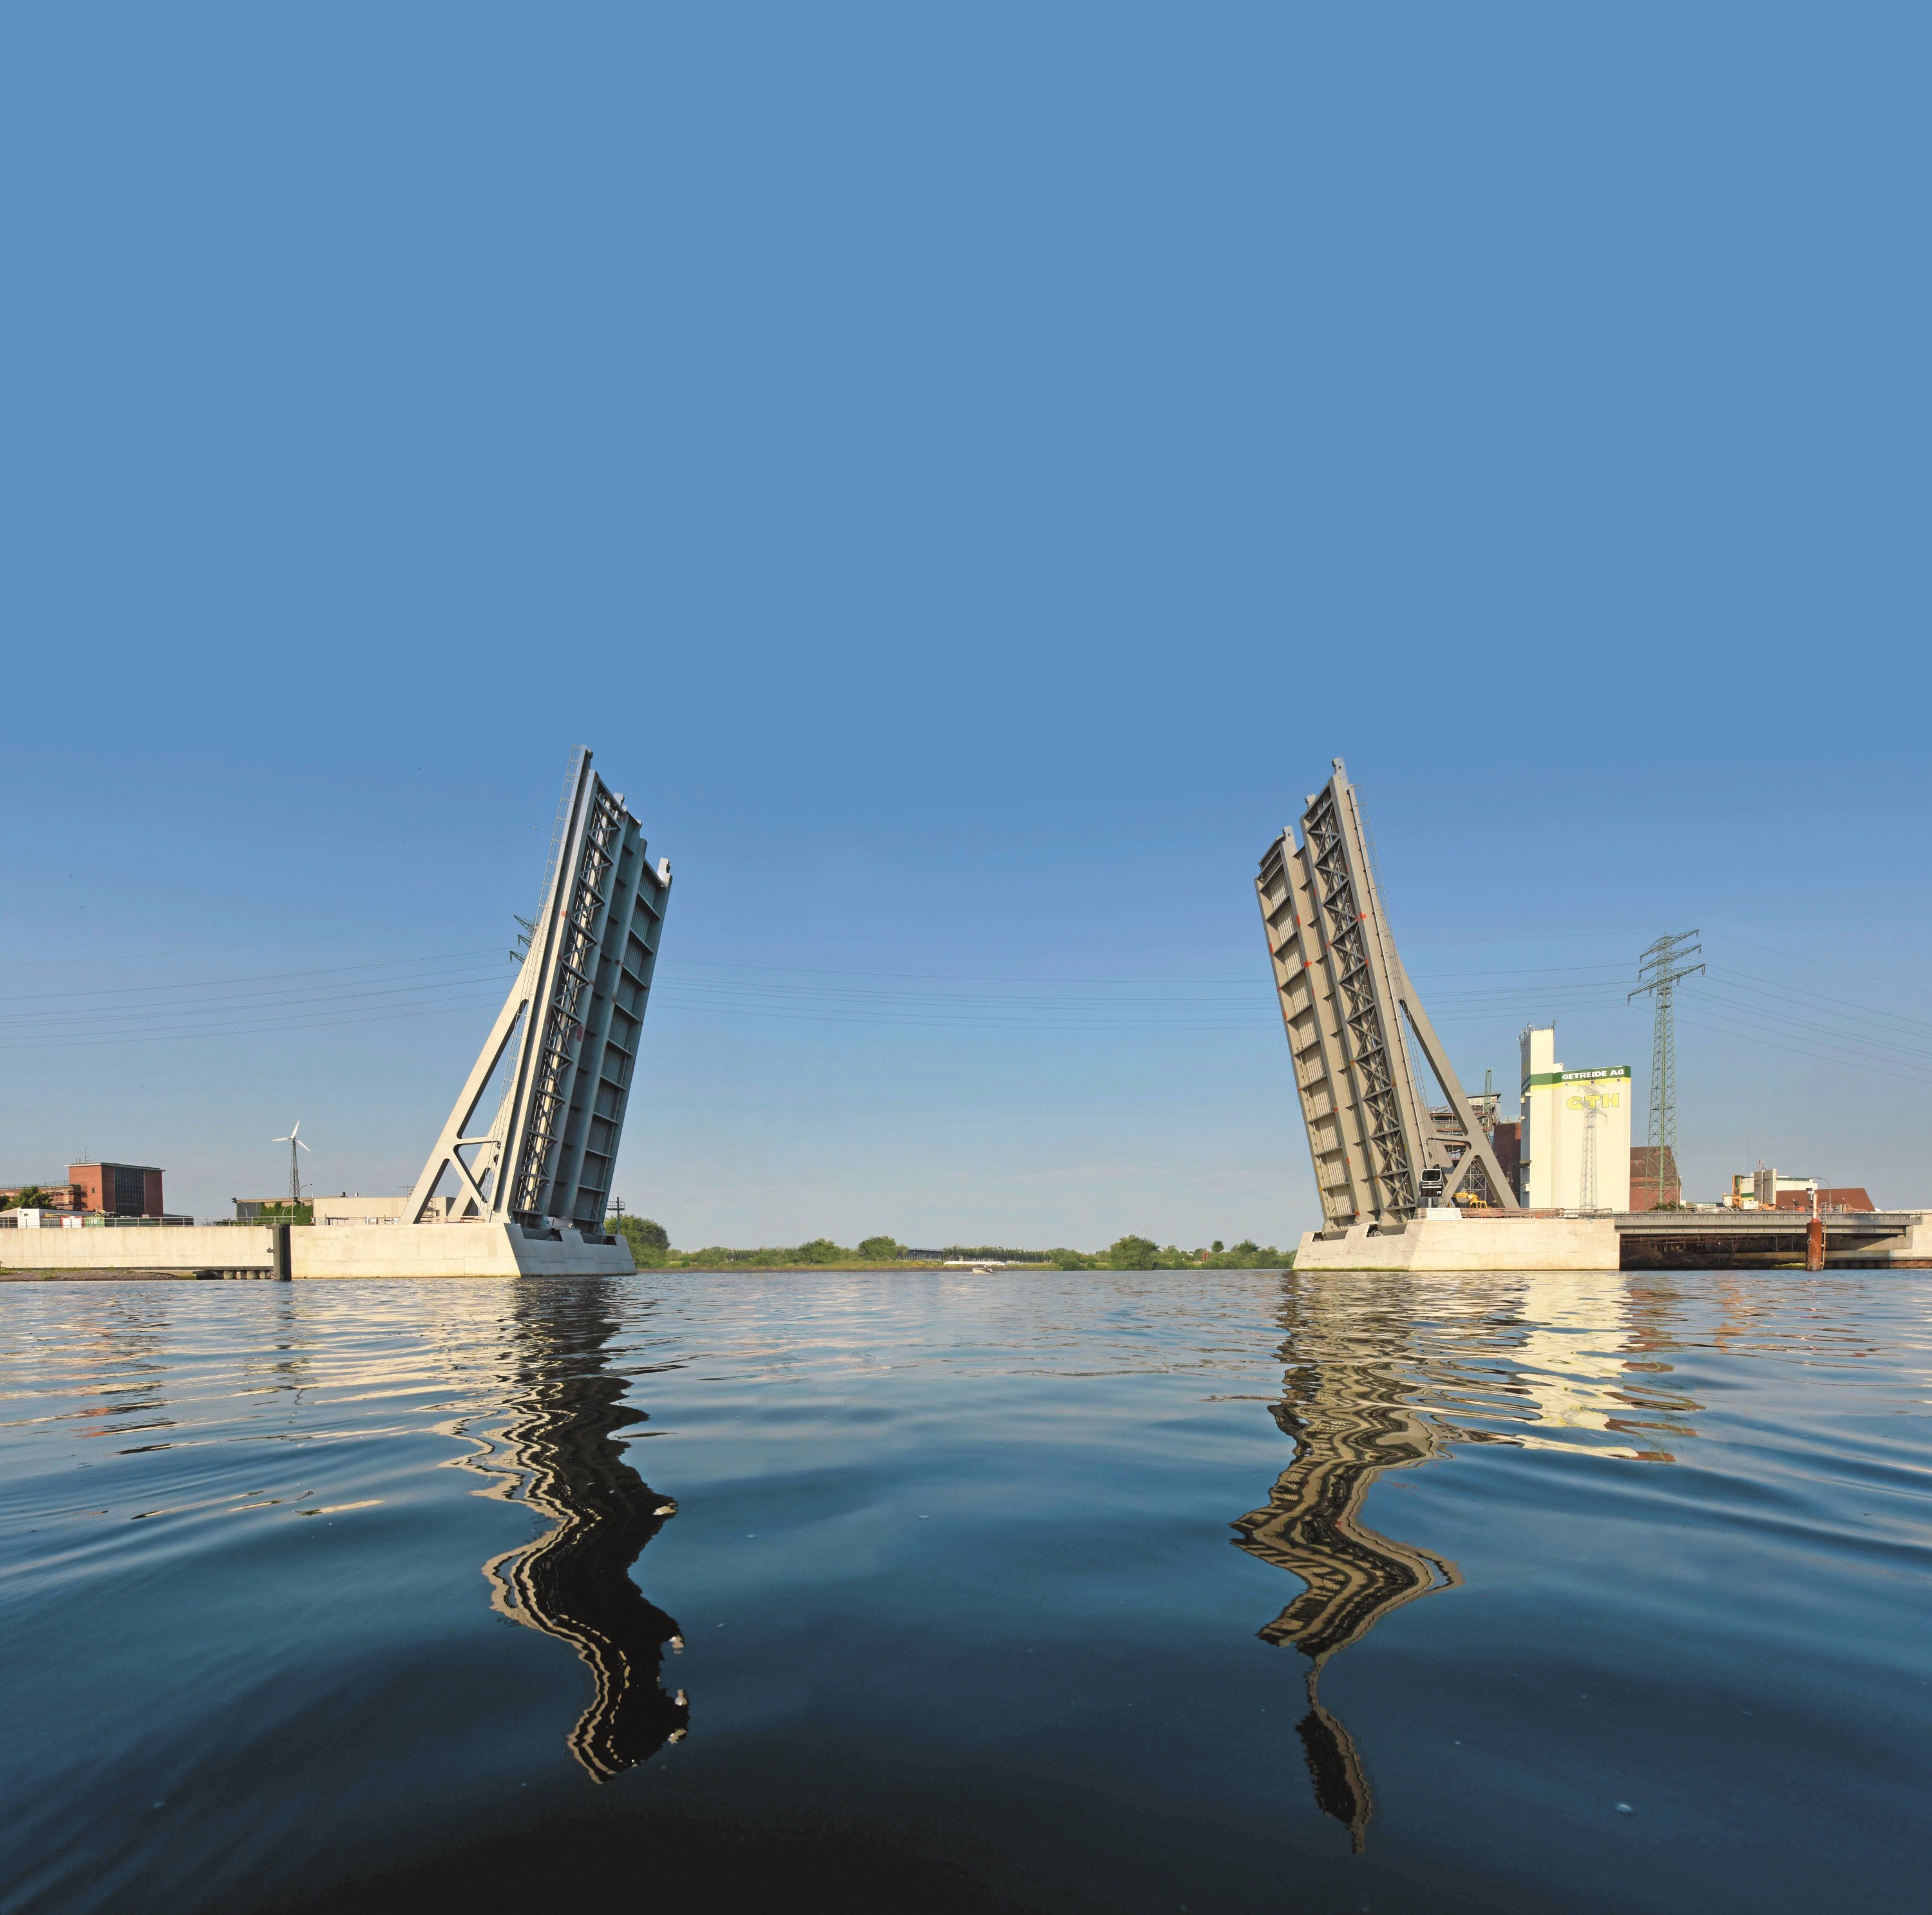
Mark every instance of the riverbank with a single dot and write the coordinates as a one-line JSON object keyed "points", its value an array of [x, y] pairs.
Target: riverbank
{"points": [[652, 1250]]}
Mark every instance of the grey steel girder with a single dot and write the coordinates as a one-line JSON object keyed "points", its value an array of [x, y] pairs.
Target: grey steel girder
{"points": [[566, 1037], [1345, 994]]}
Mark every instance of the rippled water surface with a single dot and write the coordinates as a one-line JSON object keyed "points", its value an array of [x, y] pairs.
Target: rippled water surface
{"points": [[1203, 1592]]}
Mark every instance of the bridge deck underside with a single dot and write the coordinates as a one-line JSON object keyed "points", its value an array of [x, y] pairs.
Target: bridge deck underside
{"points": [[1762, 1240]]}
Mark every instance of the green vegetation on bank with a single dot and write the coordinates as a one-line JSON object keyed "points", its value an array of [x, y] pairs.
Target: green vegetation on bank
{"points": [[651, 1249], [1143, 1253]]}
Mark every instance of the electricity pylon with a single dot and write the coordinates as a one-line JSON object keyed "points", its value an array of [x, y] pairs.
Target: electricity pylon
{"points": [[1662, 969]]}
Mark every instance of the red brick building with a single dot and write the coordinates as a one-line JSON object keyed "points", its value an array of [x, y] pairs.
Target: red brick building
{"points": [[1654, 1178], [1506, 1140], [118, 1190]]}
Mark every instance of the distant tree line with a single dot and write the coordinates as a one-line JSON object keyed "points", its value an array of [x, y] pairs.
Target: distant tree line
{"points": [[1132, 1253], [651, 1249]]}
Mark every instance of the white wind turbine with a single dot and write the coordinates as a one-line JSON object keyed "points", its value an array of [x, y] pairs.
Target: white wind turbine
{"points": [[295, 1143]]}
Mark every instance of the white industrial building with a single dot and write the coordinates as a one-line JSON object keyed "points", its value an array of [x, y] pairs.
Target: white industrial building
{"points": [[1576, 1131]]}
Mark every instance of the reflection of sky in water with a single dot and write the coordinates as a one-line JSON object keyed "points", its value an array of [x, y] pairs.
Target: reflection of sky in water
{"points": [[960, 1627]]}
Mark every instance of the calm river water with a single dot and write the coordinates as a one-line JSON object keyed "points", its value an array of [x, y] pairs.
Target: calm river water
{"points": [[1203, 1592]]}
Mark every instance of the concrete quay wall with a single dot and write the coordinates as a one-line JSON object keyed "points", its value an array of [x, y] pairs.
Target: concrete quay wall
{"points": [[425, 1249], [185, 1247], [1468, 1242]]}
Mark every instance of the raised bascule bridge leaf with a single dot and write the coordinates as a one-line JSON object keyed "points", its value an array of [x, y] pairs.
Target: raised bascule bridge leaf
{"points": [[532, 1139]]}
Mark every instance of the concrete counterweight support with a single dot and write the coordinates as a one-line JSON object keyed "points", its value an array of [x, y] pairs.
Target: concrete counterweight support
{"points": [[1459, 1242], [456, 1250]]}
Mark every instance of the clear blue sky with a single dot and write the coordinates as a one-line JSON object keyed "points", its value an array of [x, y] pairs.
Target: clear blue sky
{"points": [[965, 471]]}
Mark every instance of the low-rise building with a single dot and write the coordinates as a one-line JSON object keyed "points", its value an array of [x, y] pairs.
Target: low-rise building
{"points": [[31, 1216], [46, 1196], [1830, 1196], [107, 1190], [1762, 1189], [272, 1210], [347, 1209], [1768, 1188], [344, 1209]]}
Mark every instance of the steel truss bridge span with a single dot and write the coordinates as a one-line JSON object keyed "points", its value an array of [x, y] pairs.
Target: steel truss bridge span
{"points": [[532, 1137], [1382, 1151]]}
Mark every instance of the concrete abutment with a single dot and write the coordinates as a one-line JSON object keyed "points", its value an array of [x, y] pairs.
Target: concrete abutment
{"points": [[309, 1251]]}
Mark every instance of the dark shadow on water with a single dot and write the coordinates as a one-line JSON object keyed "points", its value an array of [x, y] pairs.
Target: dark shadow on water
{"points": [[1350, 1419], [559, 1453], [689, 1863]]}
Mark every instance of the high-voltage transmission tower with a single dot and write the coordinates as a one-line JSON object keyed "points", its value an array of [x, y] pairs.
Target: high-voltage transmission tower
{"points": [[1663, 969], [1383, 1147]]}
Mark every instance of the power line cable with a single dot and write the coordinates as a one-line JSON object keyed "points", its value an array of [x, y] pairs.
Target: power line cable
{"points": [[1817, 1056], [243, 1030], [270, 1001], [1784, 1021], [258, 977], [1796, 994]]}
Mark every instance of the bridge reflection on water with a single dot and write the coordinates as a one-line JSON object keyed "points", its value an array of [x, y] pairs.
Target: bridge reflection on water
{"points": [[1381, 1373], [559, 1451], [1351, 1418], [1386, 1372]]}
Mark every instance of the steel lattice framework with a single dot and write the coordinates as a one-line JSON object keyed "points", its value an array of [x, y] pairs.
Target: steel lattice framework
{"points": [[564, 1046], [1663, 969], [1344, 1000]]}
